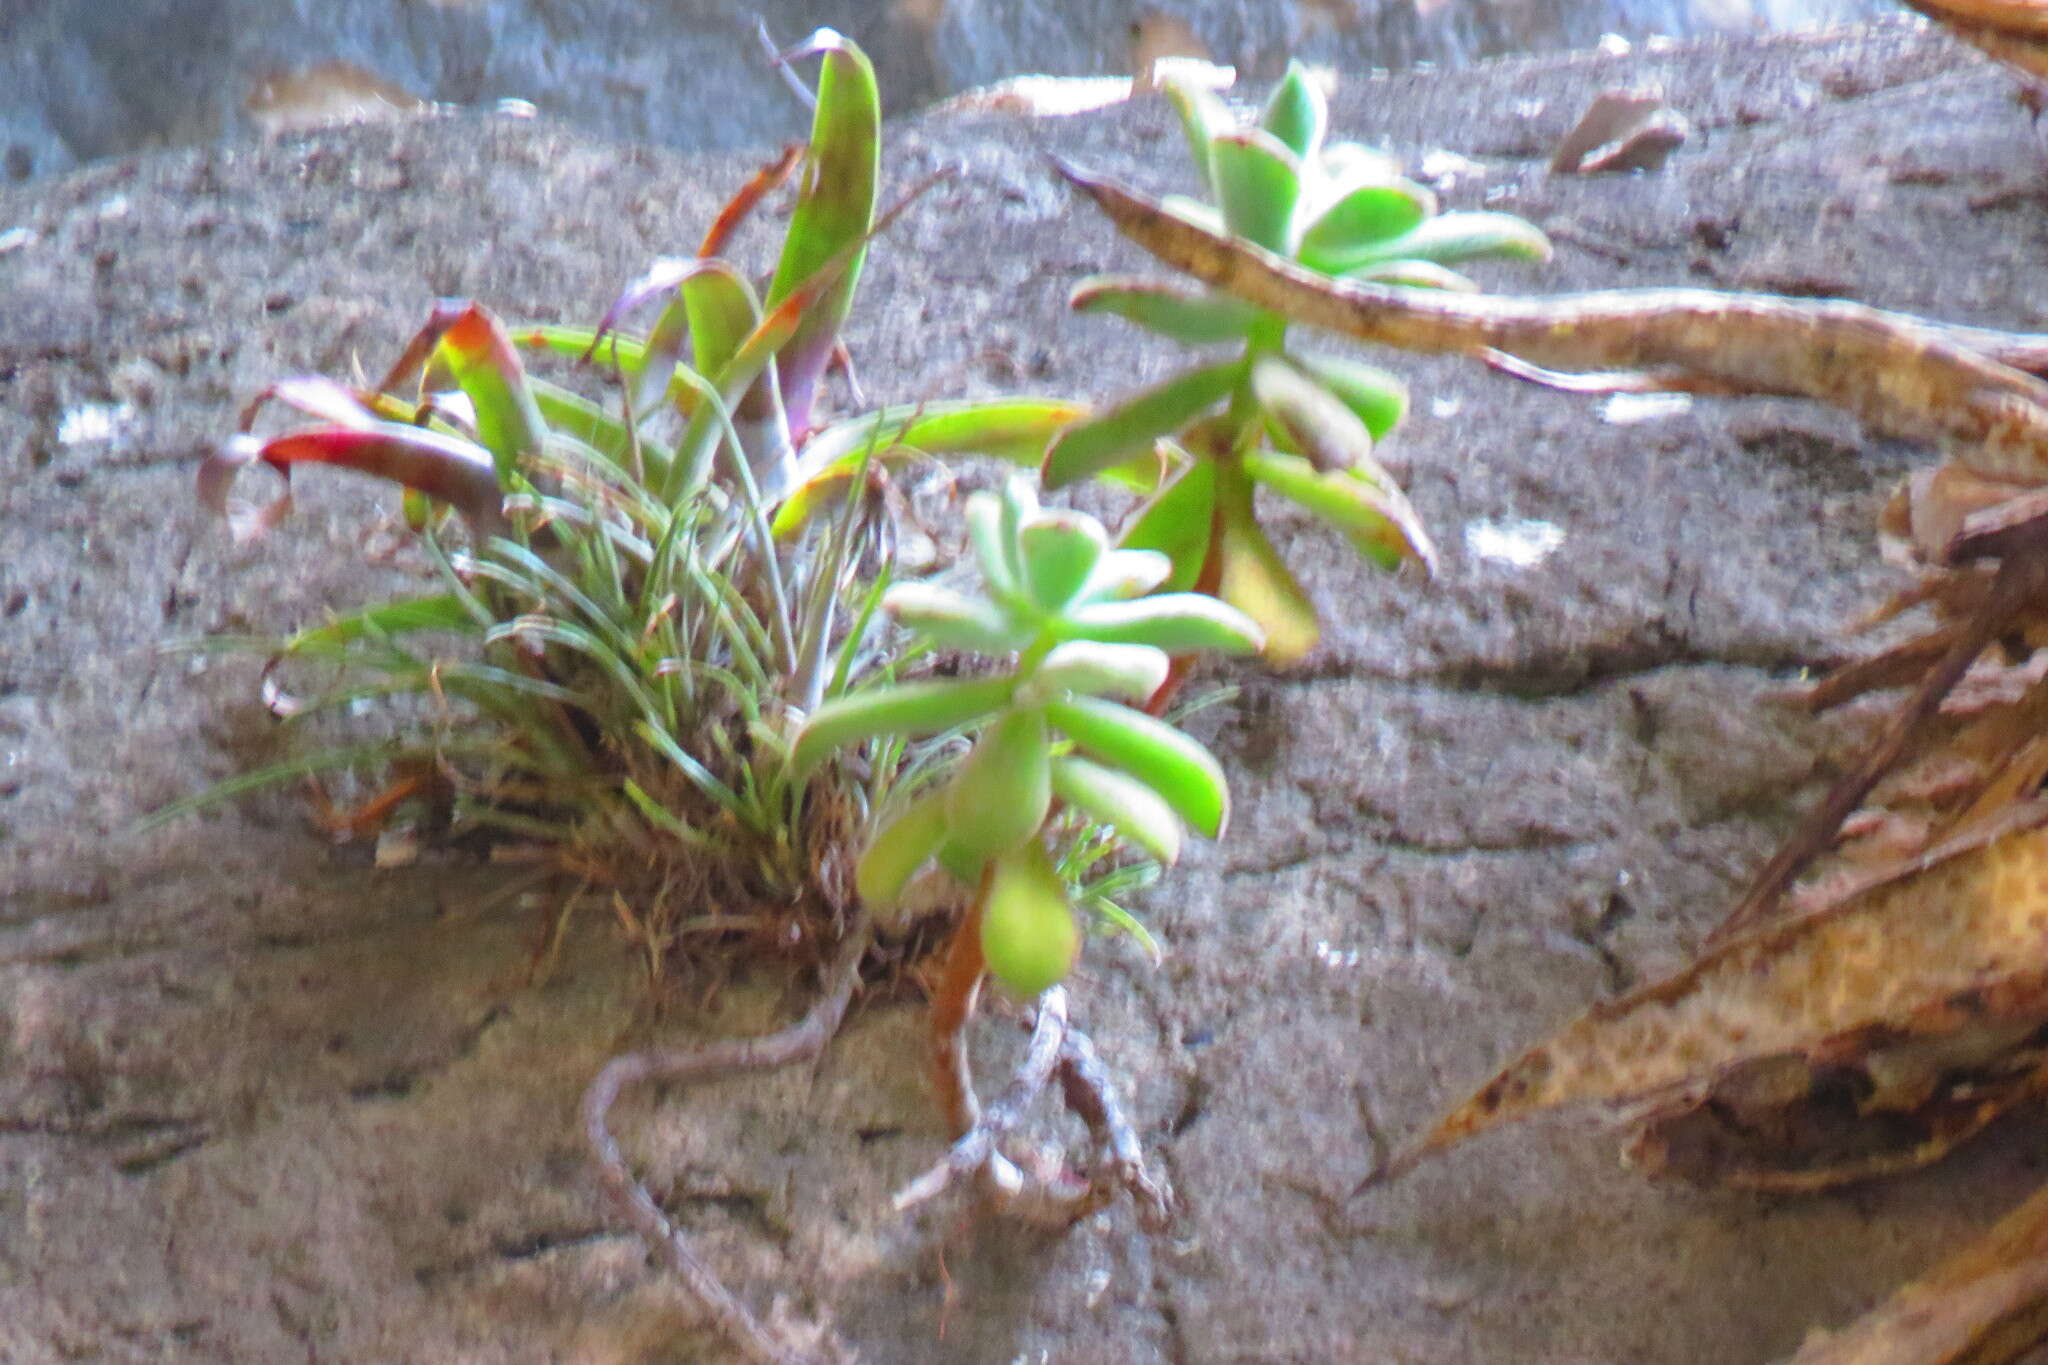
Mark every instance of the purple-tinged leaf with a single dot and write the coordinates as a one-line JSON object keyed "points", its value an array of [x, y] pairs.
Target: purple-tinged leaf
{"points": [[774, 332], [442, 467], [316, 397], [834, 213]]}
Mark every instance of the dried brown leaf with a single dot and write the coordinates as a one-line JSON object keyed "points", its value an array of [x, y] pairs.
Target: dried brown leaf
{"points": [[1898, 374], [1982, 1306], [1791, 1124], [1955, 942]]}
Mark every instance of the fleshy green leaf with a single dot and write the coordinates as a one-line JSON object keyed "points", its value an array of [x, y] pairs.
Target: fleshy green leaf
{"points": [[963, 866], [1126, 573], [1182, 772], [1296, 113], [998, 797], [1452, 237], [1091, 668], [1346, 164], [954, 620], [1377, 397], [1012, 429], [1203, 116], [1189, 318], [1028, 933], [1416, 274], [1177, 622], [899, 849], [995, 551], [1318, 425], [1257, 582], [1059, 549], [1131, 429], [1257, 183], [1360, 220], [914, 709], [1178, 522], [1375, 518], [1122, 802]]}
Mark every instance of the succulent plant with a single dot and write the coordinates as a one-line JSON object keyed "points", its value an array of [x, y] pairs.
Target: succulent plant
{"points": [[1086, 636], [1301, 427]]}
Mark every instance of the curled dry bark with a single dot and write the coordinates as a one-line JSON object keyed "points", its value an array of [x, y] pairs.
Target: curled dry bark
{"points": [[1868, 1020]]}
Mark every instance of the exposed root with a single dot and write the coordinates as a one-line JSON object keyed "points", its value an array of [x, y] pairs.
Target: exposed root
{"points": [[1052, 1196], [973, 1151], [1120, 1160], [953, 1000], [630, 1199]]}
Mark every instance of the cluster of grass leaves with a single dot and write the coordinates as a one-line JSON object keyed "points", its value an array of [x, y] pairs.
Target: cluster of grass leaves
{"points": [[622, 647]]}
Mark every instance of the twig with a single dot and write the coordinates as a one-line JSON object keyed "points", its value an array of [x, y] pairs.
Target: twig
{"points": [[973, 1151], [630, 1199], [1893, 668], [2017, 580]]}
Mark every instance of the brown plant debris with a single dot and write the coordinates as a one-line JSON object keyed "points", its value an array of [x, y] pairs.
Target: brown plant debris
{"points": [[1889, 1007], [1622, 130], [1872, 1004], [1899, 375], [2013, 31], [1983, 1306]]}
